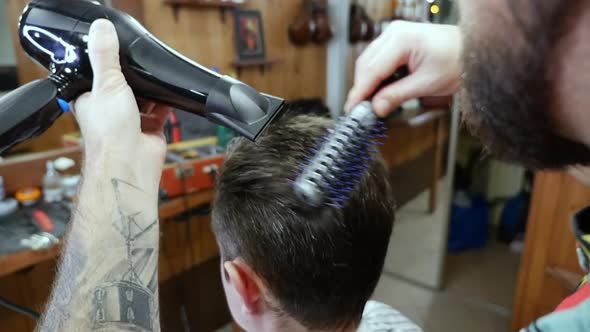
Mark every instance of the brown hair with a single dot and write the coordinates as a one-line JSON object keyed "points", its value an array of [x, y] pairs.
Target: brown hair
{"points": [[322, 264]]}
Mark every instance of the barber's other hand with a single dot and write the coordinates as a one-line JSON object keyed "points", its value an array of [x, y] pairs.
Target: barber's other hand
{"points": [[432, 54], [111, 124]]}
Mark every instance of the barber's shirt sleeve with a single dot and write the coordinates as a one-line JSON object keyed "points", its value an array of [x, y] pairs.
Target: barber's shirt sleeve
{"points": [[379, 317]]}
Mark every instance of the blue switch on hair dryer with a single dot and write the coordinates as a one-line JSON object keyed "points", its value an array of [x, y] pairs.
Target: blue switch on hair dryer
{"points": [[55, 34]]}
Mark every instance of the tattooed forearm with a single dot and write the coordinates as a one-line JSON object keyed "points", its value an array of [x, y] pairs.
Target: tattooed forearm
{"points": [[73, 262], [126, 298], [115, 286]]}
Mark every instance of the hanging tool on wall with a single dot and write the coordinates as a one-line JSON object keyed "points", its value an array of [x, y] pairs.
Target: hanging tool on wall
{"points": [[311, 24]]}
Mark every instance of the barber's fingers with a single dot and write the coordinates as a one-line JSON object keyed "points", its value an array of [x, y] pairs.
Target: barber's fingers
{"points": [[391, 97], [153, 121], [369, 53], [161, 113], [374, 48], [146, 107], [103, 50], [152, 125], [370, 72]]}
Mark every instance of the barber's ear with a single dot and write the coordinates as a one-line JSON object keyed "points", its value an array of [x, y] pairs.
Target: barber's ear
{"points": [[245, 282]]}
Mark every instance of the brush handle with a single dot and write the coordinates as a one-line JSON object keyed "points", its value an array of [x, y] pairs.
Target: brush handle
{"points": [[400, 73]]}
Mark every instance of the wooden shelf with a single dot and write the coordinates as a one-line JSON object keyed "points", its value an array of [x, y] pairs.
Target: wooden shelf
{"points": [[260, 63], [205, 3], [221, 4], [569, 280], [256, 62]]}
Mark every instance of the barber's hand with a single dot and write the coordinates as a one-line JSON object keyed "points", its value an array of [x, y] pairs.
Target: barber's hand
{"points": [[111, 124], [432, 54]]}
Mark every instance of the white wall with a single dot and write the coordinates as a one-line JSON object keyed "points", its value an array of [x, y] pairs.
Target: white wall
{"points": [[337, 56], [7, 57]]}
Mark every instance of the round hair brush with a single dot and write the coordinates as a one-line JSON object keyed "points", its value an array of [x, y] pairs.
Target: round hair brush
{"points": [[335, 170]]}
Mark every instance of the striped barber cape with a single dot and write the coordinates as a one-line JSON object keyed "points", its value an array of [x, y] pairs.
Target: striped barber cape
{"points": [[379, 317]]}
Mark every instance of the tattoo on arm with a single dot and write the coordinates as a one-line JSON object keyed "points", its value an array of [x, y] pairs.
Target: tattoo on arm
{"points": [[128, 296], [116, 289], [67, 279]]}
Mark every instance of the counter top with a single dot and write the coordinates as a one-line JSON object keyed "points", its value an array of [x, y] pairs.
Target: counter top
{"points": [[27, 258]]}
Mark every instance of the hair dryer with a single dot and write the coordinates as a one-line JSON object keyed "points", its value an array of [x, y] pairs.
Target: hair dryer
{"points": [[55, 34]]}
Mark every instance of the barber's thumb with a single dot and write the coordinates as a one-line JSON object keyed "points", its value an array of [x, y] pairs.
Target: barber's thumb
{"points": [[103, 50], [393, 96]]}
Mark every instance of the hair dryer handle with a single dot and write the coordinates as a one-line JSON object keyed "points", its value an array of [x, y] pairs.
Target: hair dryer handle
{"points": [[28, 111]]}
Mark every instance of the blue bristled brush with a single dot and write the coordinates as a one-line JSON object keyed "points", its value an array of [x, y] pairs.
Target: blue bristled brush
{"points": [[335, 170]]}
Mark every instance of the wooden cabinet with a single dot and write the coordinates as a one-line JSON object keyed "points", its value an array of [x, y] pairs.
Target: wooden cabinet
{"points": [[549, 265]]}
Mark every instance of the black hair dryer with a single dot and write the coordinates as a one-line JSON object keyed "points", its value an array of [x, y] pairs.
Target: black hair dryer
{"points": [[55, 34]]}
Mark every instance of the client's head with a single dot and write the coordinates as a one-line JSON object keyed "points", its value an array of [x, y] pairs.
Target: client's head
{"points": [[285, 266]]}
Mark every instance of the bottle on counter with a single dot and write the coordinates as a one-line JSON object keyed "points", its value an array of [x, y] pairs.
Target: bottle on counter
{"points": [[7, 205], [69, 185], [52, 189]]}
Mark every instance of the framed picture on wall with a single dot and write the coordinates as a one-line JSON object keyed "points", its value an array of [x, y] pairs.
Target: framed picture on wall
{"points": [[249, 35]]}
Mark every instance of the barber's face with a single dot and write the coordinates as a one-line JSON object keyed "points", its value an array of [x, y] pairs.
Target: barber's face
{"points": [[512, 88]]}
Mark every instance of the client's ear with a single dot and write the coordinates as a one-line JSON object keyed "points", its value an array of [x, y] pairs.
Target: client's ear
{"points": [[246, 284]]}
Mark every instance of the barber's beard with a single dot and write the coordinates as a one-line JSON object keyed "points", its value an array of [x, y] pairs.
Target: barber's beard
{"points": [[507, 100]]}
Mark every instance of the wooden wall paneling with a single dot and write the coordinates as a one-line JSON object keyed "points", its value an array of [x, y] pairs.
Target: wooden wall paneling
{"points": [[175, 250], [379, 9], [301, 71], [189, 273], [133, 8], [206, 240], [35, 285], [171, 303], [11, 321], [171, 257], [201, 243], [200, 34], [549, 243], [206, 307], [180, 251], [29, 288]]}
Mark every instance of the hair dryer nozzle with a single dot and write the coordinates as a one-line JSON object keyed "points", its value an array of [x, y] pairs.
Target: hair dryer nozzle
{"points": [[236, 105]]}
